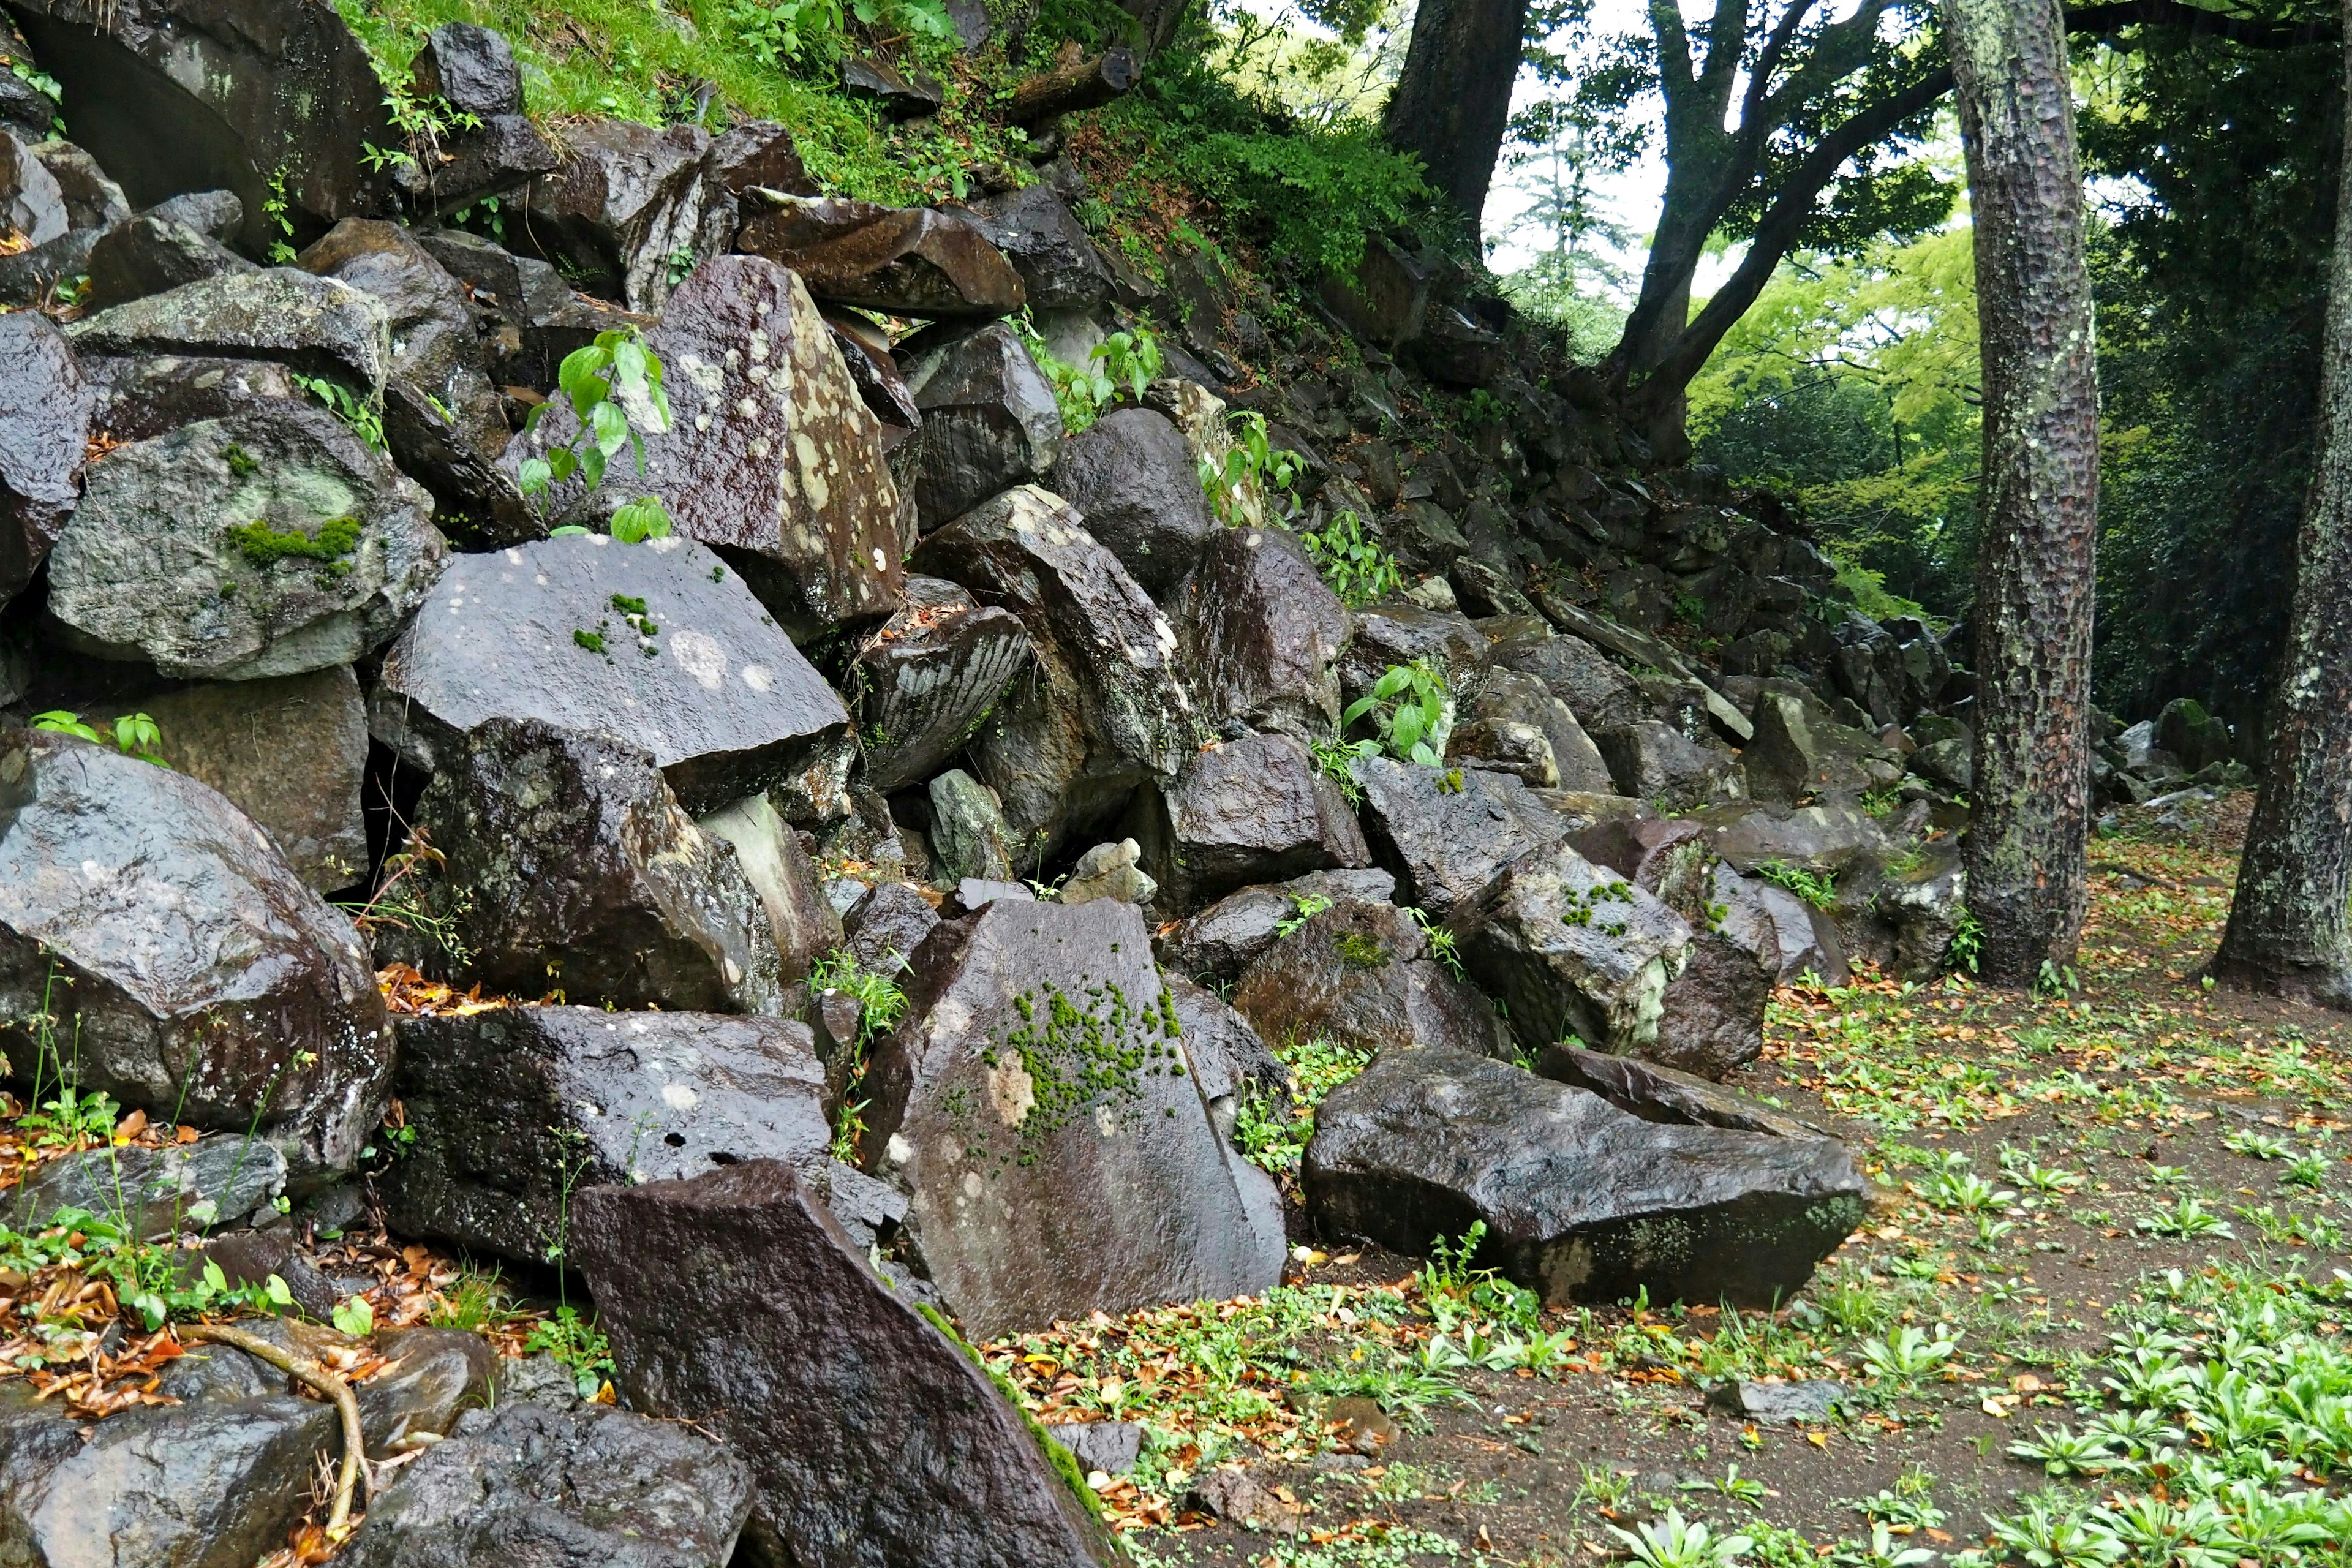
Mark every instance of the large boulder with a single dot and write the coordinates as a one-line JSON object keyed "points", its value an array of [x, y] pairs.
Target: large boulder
{"points": [[1216, 945], [907, 261], [1800, 751], [45, 409], [512, 1106], [204, 982], [318, 325], [628, 205], [1364, 975], [1108, 708], [270, 543], [142, 396], [1583, 1201], [1261, 635], [969, 838], [872, 1436], [567, 864], [989, 422], [928, 679], [1598, 694], [715, 691], [1571, 947], [1512, 723], [575, 1486], [1447, 834], [772, 458], [1657, 763], [1257, 809], [1035, 1106], [1060, 269], [1132, 478], [274, 99]]}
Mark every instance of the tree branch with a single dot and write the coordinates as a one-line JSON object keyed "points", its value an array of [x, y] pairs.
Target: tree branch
{"points": [[336, 1389], [2105, 21]]}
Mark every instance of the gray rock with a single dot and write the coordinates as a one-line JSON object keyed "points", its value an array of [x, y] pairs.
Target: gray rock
{"points": [[1109, 871], [1392, 635], [582, 1486], [34, 276], [725, 703], [1257, 809], [45, 421], [1058, 265], [2191, 734], [1261, 636], [1220, 942], [1035, 1108], [990, 423], [1362, 975], [1714, 1010], [25, 109], [270, 544], [216, 213], [1780, 1404], [149, 254], [771, 858], [905, 261], [628, 202], [1926, 899], [498, 158], [1835, 835], [928, 677], [1133, 479], [210, 985], [507, 1104], [1799, 752], [1657, 763], [317, 325], [1230, 1062], [886, 925], [1583, 1201], [143, 396], [1110, 1447], [898, 96], [1515, 710], [470, 69], [567, 863], [889, 1445], [1447, 835], [1657, 1093], [1570, 947], [968, 838], [215, 1181], [1598, 695], [30, 202]]}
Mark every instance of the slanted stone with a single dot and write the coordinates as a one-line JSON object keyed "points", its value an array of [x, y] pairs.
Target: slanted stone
{"points": [[470, 69], [886, 926], [209, 984], [725, 703], [1800, 752], [1392, 635], [1583, 1201], [907, 261], [509, 1104], [317, 325], [1446, 834], [1363, 975], [1133, 480], [930, 676], [989, 422], [268, 543], [1506, 705], [968, 836], [141, 397], [1109, 871], [900, 96], [628, 202], [1598, 695], [770, 854], [1659, 763], [1229, 1060], [149, 254], [1059, 267], [1257, 809], [45, 412], [1261, 635], [1035, 1108], [155, 1194], [1215, 946]]}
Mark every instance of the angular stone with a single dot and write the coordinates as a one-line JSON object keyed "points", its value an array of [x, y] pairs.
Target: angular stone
{"points": [[929, 678], [1797, 753], [45, 421], [1779, 1404], [1215, 946], [31, 204], [874, 371], [1504, 703], [1447, 836], [1583, 1201], [508, 1103], [1109, 709], [317, 325], [905, 261], [216, 213], [1924, 897], [725, 703], [1657, 763], [25, 109], [1837, 836], [1261, 635], [498, 158], [770, 854], [899, 97], [1392, 635], [1059, 267], [772, 458], [1658, 1093], [1133, 480], [1598, 695], [1570, 947], [1109, 871], [872, 1436], [990, 423], [628, 205], [270, 543], [968, 838], [2196, 737], [209, 984], [1036, 1109], [157, 1193], [568, 864], [149, 254], [470, 69], [143, 396], [580, 1486], [1257, 809], [1713, 1018], [887, 925], [1230, 1062], [1363, 976], [1110, 1447], [760, 152], [1668, 856]]}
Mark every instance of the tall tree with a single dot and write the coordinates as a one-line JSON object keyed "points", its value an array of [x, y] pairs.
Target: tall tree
{"points": [[2290, 920], [2029, 831], [1453, 98]]}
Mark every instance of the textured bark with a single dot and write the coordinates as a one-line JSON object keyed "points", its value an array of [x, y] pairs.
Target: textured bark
{"points": [[2027, 843], [2289, 931], [1453, 97]]}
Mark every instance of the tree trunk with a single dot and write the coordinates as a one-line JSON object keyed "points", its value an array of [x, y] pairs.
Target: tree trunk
{"points": [[2029, 831], [2289, 930], [1453, 100]]}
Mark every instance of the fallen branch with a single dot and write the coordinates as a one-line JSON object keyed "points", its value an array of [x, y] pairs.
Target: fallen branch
{"points": [[328, 1384], [1073, 84]]}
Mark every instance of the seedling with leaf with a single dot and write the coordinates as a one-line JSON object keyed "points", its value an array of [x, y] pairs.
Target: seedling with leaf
{"points": [[1409, 704], [615, 386], [133, 734]]}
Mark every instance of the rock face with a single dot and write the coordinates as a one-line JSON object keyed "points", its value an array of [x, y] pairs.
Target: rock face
{"points": [[270, 543], [1133, 479], [224, 99], [141, 397], [1260, 634], [1509, 706], [627, 200], [990, 421], [582, 1486], [1216, 945], [1799, 751], [1568, 946], [150, 254], [773, 460], [1583, 1201], [725, 703], [1035, 1106], [1252, 810], [929, 678], [770, 855], [1447, 836], [1107, 709], [1059, 267], [211, 1183], [907, 261], [506, 1103], [1363, 974], [873, 1439], [968, 836], [570, 864], [44, 408], [317, 325], [1230, 1062], [201, 969], [470, 69], [1659, 763]]}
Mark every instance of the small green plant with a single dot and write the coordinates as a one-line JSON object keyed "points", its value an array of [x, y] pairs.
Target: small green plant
{"points": [[2305, 1171], [1968, 941], [1120, 368], [364, 415], [133, 734], [74, 1120], [1253, 467], [1273, 1132], [1441, 941], [604, 381], [273, 211], [355, 1316], [1909, 1354], [2257, 1144], [576, 1342], [469, 1303], [1354, 567], [2056, 979], [2188, 1220], [1305, 907], [1818, 889], [1408, 706], [881, 1004], [1335, 759], [1676, 1543]]}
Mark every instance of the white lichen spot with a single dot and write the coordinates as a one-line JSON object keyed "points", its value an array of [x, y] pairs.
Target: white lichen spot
{"points": [[699, 655], [678, 1096], [1011, 1091], [757, 678]]}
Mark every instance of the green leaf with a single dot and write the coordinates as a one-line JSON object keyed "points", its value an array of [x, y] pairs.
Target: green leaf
{"points": [[580, 376], [64, 723], [277, 1291], [610, 428], [629, 363], [1395, 681], [592, 466], [1407, 728], [640, 520], [562, 463], [1357, 710], [355, 1317], [534, 477]]}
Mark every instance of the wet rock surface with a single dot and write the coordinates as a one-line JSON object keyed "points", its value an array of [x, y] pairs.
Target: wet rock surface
{"points": [[1134, 481], [627, 200], [1446, 834], [989, 422], [317, 325], [930, 677], [45, 420], [1361, 974], [1253, 810], [1261, 635], [1220, 942], [215, 1181], [910, 262]]}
